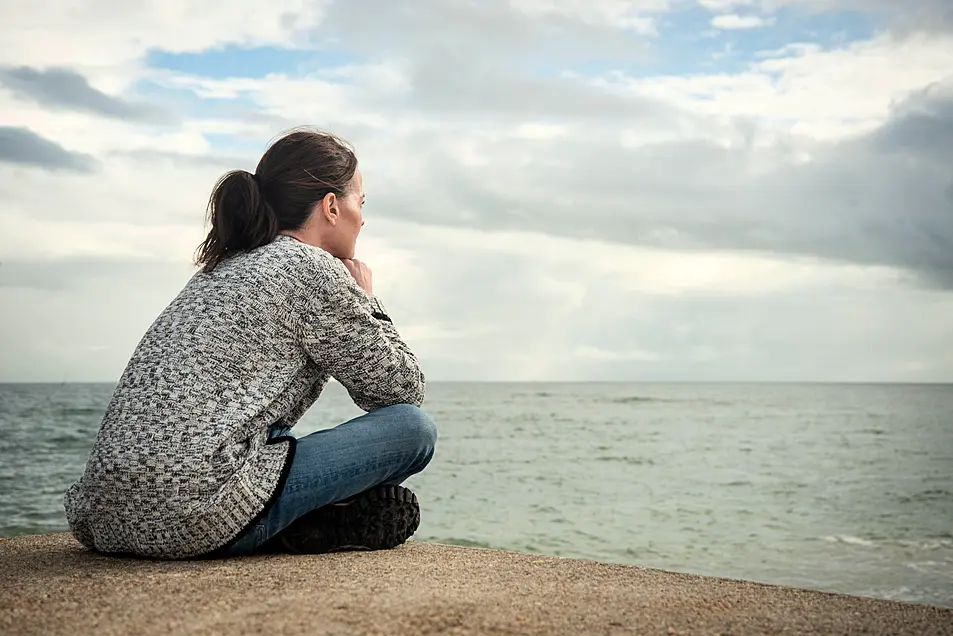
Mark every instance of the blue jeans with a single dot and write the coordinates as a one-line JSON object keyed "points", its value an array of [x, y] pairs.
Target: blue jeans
{"points": [[385, 446]]}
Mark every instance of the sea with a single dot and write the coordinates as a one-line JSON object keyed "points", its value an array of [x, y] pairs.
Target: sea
{"points": [[836, 487]]}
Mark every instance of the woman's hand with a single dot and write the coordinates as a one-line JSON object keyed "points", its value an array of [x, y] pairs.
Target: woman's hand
{"points": [[361, 273]]}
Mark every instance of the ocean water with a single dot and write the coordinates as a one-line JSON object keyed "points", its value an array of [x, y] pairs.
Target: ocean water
{"points": [[844, 488]]}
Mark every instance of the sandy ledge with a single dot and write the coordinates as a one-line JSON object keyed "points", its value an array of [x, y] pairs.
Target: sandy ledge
{"points": [[50, 584]]}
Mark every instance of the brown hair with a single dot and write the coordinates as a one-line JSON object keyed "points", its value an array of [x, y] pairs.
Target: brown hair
{"points": [[248, 210]]}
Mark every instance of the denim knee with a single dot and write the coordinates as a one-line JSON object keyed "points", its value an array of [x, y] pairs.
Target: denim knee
{"points": [[415, 424]]}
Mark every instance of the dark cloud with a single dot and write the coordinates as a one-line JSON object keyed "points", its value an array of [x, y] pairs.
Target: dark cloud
{"points": [[935, 17], [915, 16], [66, 89], [884, 199], [21, 146], [921, 126]]}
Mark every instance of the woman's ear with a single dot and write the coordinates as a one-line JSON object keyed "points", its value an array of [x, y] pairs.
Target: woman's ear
{"points": [[329, 207]]}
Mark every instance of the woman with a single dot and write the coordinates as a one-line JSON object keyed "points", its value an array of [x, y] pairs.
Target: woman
{"points": [[195, 455]]}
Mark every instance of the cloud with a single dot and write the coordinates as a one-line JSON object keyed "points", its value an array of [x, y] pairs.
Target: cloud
{"points": [[905, 19], [635, 15], [65, 89], [87, 35], [912, 8], [921, 126], [493, 92], [733, 21], [806, 90], [24, 147], [76, 273], [725, 5], [523, 35]]}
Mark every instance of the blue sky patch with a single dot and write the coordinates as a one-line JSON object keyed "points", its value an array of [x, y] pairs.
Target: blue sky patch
{"points": [[234, 61]]}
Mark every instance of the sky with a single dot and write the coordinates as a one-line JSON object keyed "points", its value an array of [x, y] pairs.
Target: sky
{"points": [[557, 190]]}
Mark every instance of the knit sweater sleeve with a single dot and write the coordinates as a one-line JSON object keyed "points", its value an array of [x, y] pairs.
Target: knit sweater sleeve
{"points": [[349, 333]]}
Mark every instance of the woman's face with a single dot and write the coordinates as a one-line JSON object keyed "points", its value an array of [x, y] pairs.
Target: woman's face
{"points": [[348, 220]]}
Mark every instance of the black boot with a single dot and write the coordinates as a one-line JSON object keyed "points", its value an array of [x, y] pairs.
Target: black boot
{"points": [[376, 519]]}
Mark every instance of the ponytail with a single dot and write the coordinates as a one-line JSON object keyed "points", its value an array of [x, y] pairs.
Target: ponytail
{"points": [[241, 219]]}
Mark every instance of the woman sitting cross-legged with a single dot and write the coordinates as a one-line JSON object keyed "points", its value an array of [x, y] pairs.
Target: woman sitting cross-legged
{"points": [[195, 456]]}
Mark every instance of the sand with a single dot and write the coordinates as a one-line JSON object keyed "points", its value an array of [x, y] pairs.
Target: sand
{"points": [[50, 584]]}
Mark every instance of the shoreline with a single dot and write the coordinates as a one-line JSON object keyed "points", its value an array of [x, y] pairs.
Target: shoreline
{"points": [[50, 584]]}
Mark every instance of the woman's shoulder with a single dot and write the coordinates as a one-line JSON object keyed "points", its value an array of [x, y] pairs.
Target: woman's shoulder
{"points": [[284, 263], [297, 259]]}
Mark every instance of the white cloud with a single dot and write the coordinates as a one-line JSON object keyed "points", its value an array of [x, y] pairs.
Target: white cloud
{"points": [[622, 14], [805, 90], [114, 33], [725, 5], [732, 21]]}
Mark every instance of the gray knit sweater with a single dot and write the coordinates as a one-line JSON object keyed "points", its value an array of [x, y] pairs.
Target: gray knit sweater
{"points": [[181, 464]]}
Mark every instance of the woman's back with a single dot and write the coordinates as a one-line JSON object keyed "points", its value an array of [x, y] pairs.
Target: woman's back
{"points": [[190, 411], [227, 343]]}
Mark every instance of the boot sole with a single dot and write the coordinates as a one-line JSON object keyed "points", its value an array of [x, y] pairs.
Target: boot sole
{"points": [[377, 519]]}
